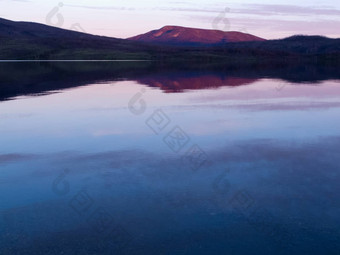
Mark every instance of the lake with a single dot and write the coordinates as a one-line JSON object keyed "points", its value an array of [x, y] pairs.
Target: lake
{"points": [[147, 158]]}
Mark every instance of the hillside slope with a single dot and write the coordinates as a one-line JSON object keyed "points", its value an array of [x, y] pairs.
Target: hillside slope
{"points": [[27, 40]]}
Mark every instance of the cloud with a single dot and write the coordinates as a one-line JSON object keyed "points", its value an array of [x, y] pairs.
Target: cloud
{"points": [[275, 9], [117, 8], [277, 27], [255, 9]]}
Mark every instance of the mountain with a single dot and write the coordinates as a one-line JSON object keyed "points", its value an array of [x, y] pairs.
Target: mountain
{"points": [[33, 41], [28, 40], [20, 29], [176, 35]]}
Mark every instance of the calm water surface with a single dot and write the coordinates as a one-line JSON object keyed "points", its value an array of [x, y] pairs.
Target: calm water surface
{"points": [[177, 163]]}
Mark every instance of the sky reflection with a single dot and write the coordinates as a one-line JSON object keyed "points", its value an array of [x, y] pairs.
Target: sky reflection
{"points": [[281, 146]]}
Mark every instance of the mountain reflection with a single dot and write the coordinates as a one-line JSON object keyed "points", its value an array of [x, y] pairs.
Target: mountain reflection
{"points": [[36, 78], [179, 82]]}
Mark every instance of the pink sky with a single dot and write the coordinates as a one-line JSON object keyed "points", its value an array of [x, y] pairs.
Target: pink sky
{"points": [[269, 19]]}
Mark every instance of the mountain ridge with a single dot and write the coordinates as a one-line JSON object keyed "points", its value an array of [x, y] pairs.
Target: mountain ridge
{"points": [[179, 35], [33, 41]]}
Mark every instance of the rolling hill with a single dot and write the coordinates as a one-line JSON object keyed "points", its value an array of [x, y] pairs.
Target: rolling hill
{"points": [[27, 40]]}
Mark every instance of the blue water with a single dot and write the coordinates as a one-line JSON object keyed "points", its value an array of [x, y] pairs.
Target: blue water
{"points": [[119, 167]]}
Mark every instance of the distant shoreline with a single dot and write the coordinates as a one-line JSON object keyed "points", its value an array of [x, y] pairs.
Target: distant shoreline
{"points": [[29, 42], [74, 60]]}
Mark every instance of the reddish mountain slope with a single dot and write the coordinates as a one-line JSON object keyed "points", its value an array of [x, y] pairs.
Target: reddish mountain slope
{"points": [[184, 35]]}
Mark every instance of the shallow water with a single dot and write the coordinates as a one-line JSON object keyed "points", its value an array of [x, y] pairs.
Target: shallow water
{"points": [[178, 162]]}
